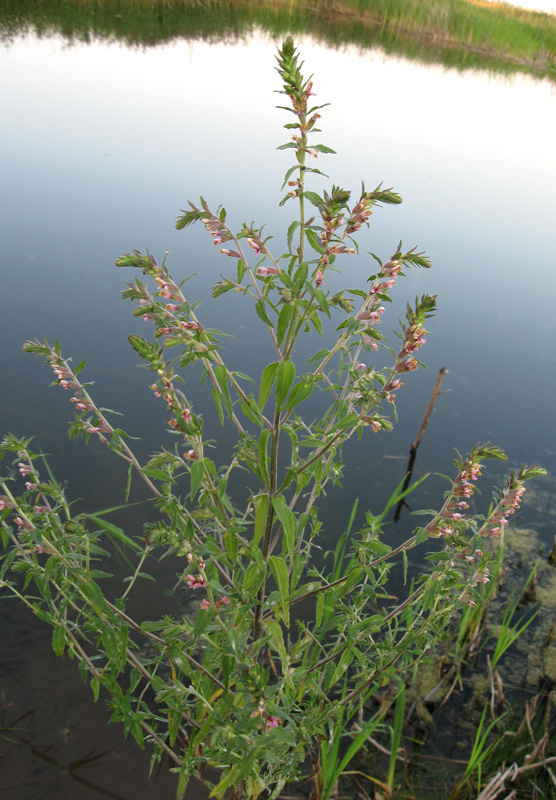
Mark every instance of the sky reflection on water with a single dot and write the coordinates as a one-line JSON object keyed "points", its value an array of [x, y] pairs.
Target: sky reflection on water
{"points": [[103, 145]]}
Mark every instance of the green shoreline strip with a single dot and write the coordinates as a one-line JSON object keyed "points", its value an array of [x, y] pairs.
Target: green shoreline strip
{"points": [[457, 33]]}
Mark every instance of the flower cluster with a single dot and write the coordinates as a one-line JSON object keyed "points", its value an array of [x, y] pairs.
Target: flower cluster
{"points": [[369, 317], [81, 400], [360, 214], [220, 603], [270, 721], [217, 229], [264, 272], [196, 581], [509, 503]]}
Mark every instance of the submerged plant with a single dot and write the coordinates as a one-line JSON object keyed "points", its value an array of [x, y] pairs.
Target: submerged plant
{"points": [[240, 689]]}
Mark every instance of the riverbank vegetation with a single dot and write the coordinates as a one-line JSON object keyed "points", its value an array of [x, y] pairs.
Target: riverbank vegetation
{"points": [[461, 33]]}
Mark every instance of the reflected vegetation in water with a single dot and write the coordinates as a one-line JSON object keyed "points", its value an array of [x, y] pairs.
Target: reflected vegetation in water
{"points": [[455, 33]]}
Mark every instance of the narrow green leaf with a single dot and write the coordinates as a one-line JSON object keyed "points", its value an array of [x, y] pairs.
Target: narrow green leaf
{"points": [[252, 411], [128, 482], [216, 399], [114, 531], [319, 610], [280, 572], [345, 660], [276, 638]]}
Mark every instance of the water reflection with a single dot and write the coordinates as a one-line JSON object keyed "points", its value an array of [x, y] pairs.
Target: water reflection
{"points": [[103, 146]]}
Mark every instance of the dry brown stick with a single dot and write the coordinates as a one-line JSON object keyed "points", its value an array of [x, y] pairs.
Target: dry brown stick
{"points": [[413, 449]]}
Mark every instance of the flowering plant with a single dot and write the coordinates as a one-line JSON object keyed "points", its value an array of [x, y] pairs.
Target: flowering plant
{"points": [[239, 692]]}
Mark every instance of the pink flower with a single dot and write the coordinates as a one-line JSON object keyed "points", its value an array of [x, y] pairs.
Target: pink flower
{"points": [[186, 415], [409, 365], [370, 317], [224, 601], [393, 386], [191, 326], [30, 486], [197, 582], [264, 272], [4, 504], [272, 722], [370, 342], [205, 605], [382, 288], [391, 269], [23, 524], [319, 280], [232, 253], [25, 469], [191, 455], [254, 245]]}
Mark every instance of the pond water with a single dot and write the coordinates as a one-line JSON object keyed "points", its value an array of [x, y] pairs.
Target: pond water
{"points": [[102, 146]]}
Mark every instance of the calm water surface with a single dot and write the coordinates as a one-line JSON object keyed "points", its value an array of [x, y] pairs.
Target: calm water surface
{"points": [[102, 145]]}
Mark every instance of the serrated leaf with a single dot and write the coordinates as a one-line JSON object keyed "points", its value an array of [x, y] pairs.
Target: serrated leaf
{"points": [[285, 376], [287, 519], [197, 475], [322, 301], [421, 536], [221, 288], [253, 577], [59, 640], [284, 319], [95, 686], [267, 382], [262, 446], [314, 198], [299, 393], [291, 230], [280, 572], [261, 313], [261, 513], [314, 240], [222, 378], [322, 148]]}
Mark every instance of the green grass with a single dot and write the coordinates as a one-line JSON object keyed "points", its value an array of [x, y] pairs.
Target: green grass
{"points": [[459, 33]]}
